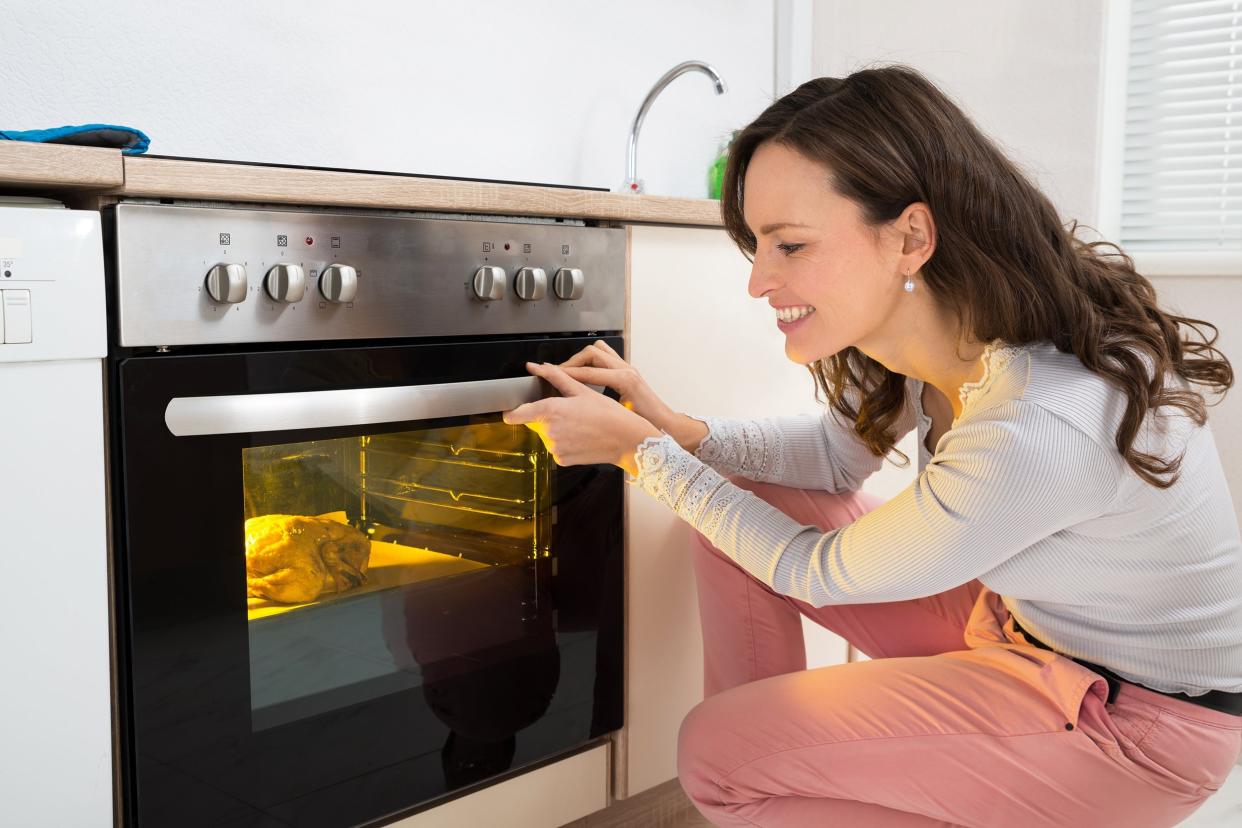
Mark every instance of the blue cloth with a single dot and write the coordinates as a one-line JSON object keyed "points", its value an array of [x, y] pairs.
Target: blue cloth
{"points": [[130, 141]]}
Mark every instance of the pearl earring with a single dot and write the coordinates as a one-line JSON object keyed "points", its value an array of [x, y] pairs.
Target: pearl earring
{"points": [[909, 285]]}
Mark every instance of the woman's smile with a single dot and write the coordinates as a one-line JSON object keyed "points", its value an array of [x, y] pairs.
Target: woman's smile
{"points": [[793, 316]]}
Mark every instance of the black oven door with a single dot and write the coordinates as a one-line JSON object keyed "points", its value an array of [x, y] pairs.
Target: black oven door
{"points": [[348, 588]]}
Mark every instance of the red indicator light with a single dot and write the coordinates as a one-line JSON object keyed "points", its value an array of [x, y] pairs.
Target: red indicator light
{"points": [[310, 240], [506, 245]]}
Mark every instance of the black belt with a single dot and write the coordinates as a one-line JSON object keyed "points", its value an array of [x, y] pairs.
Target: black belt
{"points": [[1213, 699]]}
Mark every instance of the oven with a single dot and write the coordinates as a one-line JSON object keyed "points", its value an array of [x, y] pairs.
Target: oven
{"points": [[346, 589]]}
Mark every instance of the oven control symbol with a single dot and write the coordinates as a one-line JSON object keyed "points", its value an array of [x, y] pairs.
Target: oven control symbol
{"points": [[339, 284], [226, 238], [282, 241], [227, 284]]}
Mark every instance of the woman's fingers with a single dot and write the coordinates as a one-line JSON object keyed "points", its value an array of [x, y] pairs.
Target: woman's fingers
{"points": [[590, 375], [597, 354], [604, 346], [559, 380], [584, 357], [608, 356], [521, 415]]}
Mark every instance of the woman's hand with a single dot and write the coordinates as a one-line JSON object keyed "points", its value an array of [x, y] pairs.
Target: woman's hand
{"points": [[582, 426], [599, 364]]}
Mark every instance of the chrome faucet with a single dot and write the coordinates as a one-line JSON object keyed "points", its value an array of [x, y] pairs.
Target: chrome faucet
{"points": [[633, 184]]}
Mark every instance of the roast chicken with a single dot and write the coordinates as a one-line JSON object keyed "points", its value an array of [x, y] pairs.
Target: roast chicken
{"points": [[293, 559]]}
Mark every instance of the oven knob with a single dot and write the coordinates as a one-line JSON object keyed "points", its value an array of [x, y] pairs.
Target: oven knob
{"points": [[339, 283], [568, 283], [286, 283], [489, 283], [227, 283], [531, 283]]}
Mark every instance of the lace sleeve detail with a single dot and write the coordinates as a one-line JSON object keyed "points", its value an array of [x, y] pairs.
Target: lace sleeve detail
{"points": [[752, 448], [696, 492]]}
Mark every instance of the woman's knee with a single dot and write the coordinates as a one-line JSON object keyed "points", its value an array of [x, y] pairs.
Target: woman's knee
{"points": [[695, 749]]}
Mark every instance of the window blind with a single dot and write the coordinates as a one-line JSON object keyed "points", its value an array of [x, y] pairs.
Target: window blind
{"points": [[1182, 163]]}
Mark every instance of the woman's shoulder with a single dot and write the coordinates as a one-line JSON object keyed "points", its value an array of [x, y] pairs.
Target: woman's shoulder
{"points": [[1039, 375], [1006, 375]]}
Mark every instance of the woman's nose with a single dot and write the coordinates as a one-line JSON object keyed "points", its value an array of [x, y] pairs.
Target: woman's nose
{"points": [[762, 280]]}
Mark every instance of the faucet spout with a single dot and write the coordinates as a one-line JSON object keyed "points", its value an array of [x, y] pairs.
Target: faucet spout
{"points": [[633, 184]]}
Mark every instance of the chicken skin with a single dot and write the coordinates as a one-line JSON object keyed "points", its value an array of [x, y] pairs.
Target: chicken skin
{"points": [[293, 559]]}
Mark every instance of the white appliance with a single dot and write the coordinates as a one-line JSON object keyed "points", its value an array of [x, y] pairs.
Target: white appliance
{"points": [[55, 698]]}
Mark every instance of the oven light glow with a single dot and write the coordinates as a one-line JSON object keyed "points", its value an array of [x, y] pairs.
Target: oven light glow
{"points": [[417, 505]]}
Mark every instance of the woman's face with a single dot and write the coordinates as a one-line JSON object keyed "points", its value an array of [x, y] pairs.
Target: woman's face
{"points": [[832, 280]]}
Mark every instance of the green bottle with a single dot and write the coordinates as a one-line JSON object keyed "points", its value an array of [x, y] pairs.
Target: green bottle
{"points": [[715, 173]]}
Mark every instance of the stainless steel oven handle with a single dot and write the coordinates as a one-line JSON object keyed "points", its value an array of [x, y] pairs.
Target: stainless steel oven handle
{"points": [[256, 413]]}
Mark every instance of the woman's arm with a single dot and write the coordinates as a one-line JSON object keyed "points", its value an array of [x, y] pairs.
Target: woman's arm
{"points": [[802, 451], [1001, 481], [808, 451]]}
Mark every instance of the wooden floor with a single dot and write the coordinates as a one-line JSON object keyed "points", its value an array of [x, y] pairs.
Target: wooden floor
{"points": [[665, 806]]}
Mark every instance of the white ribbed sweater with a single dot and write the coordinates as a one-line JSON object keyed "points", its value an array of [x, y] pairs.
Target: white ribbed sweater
{"points": [[1026, 492]]}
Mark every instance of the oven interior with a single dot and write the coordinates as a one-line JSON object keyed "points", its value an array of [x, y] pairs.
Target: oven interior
{"points": [[354, 545]]}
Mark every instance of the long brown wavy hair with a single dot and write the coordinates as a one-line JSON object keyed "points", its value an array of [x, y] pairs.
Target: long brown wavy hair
{"points": [[1004, 263]]}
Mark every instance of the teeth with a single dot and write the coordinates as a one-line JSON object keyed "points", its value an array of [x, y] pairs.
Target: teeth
{"points": [[794, 314]]}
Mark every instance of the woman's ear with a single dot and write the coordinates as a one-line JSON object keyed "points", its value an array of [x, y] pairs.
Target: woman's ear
{"points": [[918, 230]]}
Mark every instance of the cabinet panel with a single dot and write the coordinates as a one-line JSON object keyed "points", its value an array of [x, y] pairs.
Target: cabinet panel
{"points": [[555, 794], [706, 347]]}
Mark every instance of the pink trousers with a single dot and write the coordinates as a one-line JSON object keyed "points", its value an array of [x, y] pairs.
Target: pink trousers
{"points": [[958, 720]]}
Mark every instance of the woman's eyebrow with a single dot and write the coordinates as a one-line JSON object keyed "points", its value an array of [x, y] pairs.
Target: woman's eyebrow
{"points": [[780, 225]]}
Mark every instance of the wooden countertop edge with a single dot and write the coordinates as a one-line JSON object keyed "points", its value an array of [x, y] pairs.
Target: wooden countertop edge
{"points": [[59, 166], [169, 178], [105, 172], [52, 167]]}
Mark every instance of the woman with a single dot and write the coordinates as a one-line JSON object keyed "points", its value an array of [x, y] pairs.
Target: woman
{"points": [[1053, 607]]}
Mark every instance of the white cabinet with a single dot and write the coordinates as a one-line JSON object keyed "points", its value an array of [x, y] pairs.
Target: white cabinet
{"points": [[552, 795], [706, 347], [55, 711]]}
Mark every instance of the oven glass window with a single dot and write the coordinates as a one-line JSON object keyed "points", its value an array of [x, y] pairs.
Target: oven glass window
{"points": [[385, 562]]}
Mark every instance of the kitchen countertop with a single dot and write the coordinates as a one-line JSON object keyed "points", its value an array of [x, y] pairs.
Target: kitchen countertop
{"points": [[53, 168]]}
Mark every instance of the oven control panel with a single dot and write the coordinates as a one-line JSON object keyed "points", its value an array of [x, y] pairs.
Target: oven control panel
{"points": [[221, 275]]}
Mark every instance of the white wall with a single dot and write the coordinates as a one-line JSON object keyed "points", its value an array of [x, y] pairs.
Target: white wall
{"points": [[538, 90], [1027, 72]]}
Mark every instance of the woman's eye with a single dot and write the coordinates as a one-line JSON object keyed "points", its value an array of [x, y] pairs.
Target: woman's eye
{"points": [[788, 249]]}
